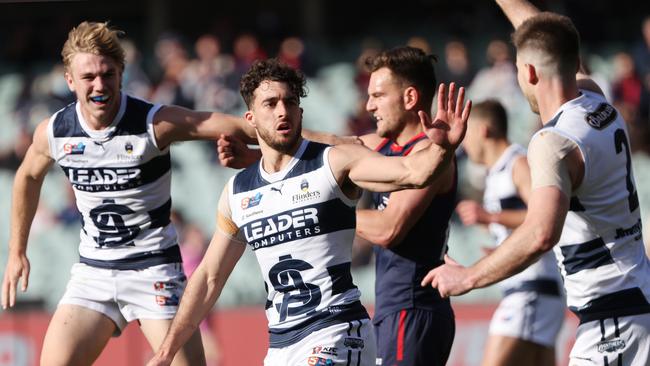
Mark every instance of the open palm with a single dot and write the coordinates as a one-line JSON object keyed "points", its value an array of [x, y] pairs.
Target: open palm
{"points": [[450, 123]]}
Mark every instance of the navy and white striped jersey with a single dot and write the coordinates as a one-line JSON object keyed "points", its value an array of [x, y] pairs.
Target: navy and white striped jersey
{"points": [[121, 181], [501, 194], [600, 252], [300, 226]]}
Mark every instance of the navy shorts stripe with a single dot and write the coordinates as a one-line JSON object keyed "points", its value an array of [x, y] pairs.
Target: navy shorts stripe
{"points": [[140, 261]]}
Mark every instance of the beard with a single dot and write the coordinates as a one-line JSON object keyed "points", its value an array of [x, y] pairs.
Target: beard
{"points": [[281, 144]]}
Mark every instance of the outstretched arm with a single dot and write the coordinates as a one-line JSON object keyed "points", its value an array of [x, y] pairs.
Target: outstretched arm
{"points": [[173, 123], [26, 191], [375, 172], [204, 286], [518, 11], [388, 227], [553, 176]]}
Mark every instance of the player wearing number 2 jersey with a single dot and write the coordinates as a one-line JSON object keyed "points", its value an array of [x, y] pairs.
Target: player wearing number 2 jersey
{"points": [[295, 210], [583, 201], [114, 150]]}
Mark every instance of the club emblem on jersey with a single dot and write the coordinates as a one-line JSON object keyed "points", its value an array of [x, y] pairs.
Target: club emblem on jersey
{"points": [[610, 346], [248, 202], [304, 185], [128, 147], [74, 149]]}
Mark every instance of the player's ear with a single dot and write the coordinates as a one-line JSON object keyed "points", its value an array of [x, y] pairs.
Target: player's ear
{"points": [[249, 116], [411, 98], [531, 74], [68, 79]]}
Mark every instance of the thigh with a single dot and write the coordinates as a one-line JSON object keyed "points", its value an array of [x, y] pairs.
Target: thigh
{"points": [[530, 317], [190, 354], [416, 337], [152, 293], [509, 351], [76, 336]]}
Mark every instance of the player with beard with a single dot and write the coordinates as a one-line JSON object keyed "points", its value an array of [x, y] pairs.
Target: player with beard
{"points": [[295, 210]]}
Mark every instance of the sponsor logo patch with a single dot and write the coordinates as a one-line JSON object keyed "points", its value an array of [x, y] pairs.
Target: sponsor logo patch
{"points": [[353, 342], [248, 202], [601, 117], [172, 300], [74, 149], [610, 346], [324, 350], [160, 286], [319, 361]]}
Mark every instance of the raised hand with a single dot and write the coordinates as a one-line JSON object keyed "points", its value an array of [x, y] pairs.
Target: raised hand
{"points": [[450, 123], [17, 269], [233, 153]]}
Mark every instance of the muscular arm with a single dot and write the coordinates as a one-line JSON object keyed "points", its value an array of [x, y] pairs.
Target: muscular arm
{"points": [[540, 231], [26, 191], [555, 171], [204, 286], [173, 123], [388, 227]]}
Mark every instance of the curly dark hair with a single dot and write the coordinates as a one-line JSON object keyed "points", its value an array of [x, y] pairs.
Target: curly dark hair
{"points": [[271, 70]]}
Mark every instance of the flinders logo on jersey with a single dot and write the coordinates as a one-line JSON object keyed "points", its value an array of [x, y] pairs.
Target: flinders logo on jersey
{"points": [[305, 194], [74, 149], [248, 202]]}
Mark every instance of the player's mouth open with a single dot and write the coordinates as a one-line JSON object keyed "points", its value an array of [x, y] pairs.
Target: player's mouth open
{"points": [[283, 128], [100, 99]]}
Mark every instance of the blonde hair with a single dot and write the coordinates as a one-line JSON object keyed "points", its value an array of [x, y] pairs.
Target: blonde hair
{"points": [[96, 38]]}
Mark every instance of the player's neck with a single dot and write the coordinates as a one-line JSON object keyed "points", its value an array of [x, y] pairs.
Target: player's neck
{"points": [[102, 121], [493, 151], [552, 95], [273, 160], [410, 130]]}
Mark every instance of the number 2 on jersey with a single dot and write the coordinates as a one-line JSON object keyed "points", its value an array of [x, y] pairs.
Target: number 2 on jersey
{"points": [[620, 142]]}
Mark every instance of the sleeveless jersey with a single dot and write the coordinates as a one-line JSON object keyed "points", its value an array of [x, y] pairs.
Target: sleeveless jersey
{"points": [[600, 252], [121, 182], [400, 269], [501, 194], [300, 226]]}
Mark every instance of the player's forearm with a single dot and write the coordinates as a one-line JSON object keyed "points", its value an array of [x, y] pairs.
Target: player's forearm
{"points": [[508, 218], [198, 299], [329, 138], [26, 193], [375, 227], [522, 248], [220, 123], [517, 11], [426, 165]]}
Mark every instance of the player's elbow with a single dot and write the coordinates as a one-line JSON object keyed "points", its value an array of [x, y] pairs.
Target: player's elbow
{"points": [[388, 238], [544, 239]]}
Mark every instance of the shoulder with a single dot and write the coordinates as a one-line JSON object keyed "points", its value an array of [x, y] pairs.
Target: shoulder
{"points": [[371, 140]]}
